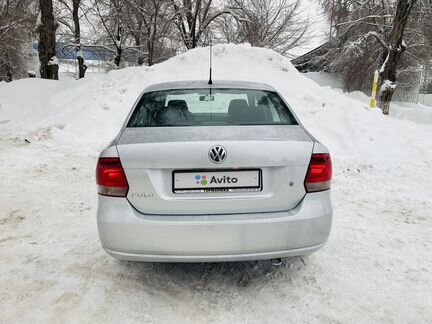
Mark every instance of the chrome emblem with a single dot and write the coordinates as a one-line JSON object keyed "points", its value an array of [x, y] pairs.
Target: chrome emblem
{"points": [[217, 154]]}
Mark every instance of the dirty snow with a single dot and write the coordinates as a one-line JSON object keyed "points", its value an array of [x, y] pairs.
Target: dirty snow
{"points": [[376, 267]]}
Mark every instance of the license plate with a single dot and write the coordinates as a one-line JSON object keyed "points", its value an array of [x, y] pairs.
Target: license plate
{"points": [[223, 180]]}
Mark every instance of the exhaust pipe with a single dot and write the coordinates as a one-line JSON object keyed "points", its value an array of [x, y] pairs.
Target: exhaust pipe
{"points": [[276, 261]]}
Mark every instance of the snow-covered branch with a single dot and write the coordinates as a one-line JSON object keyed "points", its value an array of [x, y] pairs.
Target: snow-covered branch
{"points": [[353, 22]]}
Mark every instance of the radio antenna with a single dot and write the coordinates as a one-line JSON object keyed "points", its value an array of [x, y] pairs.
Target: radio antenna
{"points": [[210, 78]]}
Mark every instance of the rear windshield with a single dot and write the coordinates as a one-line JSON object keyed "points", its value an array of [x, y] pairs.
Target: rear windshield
{"points": [[210, 107]]}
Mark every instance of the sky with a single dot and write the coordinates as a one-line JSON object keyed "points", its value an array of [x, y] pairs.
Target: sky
{"points": [[319, 26]]}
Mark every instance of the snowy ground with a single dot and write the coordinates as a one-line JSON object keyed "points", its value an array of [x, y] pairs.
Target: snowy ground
{"points": [[376, 266]]}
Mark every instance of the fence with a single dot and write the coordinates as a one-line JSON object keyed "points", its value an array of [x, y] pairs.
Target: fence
{"points": [[409, 93]]}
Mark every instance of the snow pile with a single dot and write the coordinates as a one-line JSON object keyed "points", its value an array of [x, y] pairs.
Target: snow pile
{"points": [[375, 267], [89, 112]]}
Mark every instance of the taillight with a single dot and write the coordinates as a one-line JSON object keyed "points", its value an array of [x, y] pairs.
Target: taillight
{"points": [[110, 178], [319, 174]]}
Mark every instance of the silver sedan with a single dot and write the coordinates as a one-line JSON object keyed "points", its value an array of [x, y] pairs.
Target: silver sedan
{"points": [[220, 172]]}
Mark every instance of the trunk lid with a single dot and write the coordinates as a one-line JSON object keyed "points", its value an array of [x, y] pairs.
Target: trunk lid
{"points": [[150, 155]]}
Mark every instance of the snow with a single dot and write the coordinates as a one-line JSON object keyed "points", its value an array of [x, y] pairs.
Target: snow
{"points": [[376, 267], [38, 21], [53, 61], [387, 84], [80, 53], [326, 79], [383, 66]]}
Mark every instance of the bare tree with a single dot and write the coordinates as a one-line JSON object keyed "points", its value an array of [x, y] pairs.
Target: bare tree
{"points": [[278, 24], [395, 47], [226, 29], [364, 33], [110, 15], [82, 67], [150, 24], [73, 8], [115, 19], [136, 23], [193, 17], [17, 19], [46, 27]]}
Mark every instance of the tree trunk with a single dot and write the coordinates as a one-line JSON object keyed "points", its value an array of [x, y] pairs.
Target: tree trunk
{"points": [[137, 38], [151, 41], [386, 97], [79, 54], [150, 50], [8, 68], [118, 37], [82, 67], [8, 74], [393, 54], [117, 57], [47, 41]]}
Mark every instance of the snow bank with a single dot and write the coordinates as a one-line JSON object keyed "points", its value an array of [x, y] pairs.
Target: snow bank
{"points": [[416, 112], [326, 79], [89, 112]]}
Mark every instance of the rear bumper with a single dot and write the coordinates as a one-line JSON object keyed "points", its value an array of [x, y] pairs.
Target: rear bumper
{"points": [[130, 235], [212, 257]]}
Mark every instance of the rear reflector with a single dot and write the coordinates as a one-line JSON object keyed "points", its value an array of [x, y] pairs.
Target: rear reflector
{"points": [[319, 174], [110, 178]]}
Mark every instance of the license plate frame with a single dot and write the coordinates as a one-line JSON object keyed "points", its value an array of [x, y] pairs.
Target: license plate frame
{"points": [[183, 187]]}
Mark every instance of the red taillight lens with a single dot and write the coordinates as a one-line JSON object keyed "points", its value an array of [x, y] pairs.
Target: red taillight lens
{"points": [[110, 178], [319, 174]]}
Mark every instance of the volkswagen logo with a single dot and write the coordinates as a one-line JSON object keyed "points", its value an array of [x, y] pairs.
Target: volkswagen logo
{"points": [[217, 154]]}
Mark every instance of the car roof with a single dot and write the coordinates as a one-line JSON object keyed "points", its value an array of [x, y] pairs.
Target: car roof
{"points": [[204, 84]]}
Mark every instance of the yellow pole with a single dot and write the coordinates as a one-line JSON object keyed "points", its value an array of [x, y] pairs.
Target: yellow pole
{"points": [[374, 90]]}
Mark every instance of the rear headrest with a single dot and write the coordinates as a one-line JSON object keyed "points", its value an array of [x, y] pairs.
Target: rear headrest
{"points": [[178, 104], [237, 111], [237, 104], [176, 113]]}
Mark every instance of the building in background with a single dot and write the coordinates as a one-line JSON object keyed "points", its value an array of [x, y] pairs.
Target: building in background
{"points": [[316, 64]]}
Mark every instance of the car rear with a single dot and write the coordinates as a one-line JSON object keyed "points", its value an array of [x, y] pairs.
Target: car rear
{"points": [[213, 173]]}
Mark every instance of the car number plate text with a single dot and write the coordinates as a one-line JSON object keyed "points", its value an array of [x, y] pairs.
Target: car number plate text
{"points": [[223, 180]]}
